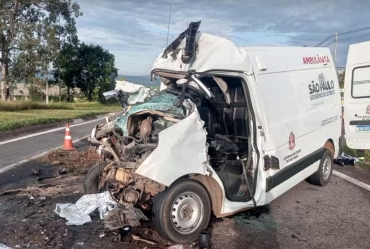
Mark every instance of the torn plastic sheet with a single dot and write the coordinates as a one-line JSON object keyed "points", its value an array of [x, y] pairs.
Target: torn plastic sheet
{"points": [[163, 102], [2, 246], [136, 93], [127, 87], [78, 214], [138, 96]]}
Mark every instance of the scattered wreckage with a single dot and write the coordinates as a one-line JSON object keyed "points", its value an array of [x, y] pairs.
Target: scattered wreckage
{"points": [[214, 139]]}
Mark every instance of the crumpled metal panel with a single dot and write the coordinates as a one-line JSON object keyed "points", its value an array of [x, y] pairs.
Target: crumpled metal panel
{"points": [[164, 102], [181, 151]]}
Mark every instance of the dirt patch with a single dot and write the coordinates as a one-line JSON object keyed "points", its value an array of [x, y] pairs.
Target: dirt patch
{"points": [[72, 160], [27, 211]]}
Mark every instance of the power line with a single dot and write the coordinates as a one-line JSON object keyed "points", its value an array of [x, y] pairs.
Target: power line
{"points": [[353, 37], [342, 33], [353, 31], [347, 39], [326, 39]]}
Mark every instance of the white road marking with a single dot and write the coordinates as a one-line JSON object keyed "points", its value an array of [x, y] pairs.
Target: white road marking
{"points": [[352, 180], [11, 166], [48, 131]]}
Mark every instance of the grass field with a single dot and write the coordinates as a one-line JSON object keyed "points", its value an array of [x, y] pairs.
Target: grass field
{"points": [[21, 114]]}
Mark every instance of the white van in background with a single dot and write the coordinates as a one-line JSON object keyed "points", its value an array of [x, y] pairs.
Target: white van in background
{"points": [[357, 96]]}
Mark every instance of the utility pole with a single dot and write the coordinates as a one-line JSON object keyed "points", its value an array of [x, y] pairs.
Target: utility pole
{"points": [[47, 85], [335, 47], [168, 30], [60, 88]]}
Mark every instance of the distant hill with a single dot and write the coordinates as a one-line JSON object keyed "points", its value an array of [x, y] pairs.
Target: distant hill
{"points": [[142, 80]]}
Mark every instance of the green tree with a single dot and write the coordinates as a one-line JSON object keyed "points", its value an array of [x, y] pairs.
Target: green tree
{"points": [[32, 29], [341, 76], [69, 67], [96, 72]]}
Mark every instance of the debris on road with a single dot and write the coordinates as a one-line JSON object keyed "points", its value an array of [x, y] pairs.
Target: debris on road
{"points": [[123, 216], [75, 159], [257, 219], [36, 171], [63, 171], [137, 238], [175, 247], [203, 240], [345, 159], [50, 187], [78, 214], [38, 190]]}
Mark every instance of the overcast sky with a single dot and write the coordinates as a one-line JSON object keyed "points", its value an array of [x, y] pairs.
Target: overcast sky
{"points": [[136, 31]]}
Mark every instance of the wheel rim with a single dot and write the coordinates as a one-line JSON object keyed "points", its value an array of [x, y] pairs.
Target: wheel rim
{"points": [[187, 212], [326, 168]]}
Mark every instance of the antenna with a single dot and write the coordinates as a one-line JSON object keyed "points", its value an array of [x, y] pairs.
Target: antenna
{"points": [[168, 30]]}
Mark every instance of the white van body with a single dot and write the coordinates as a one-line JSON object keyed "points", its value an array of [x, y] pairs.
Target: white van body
{"points": [[357, 96], [246, 125], [293, 91]]}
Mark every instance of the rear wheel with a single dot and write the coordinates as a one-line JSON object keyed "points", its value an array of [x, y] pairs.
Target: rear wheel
{"points": [[182, 211], [92, 178], [322, 176]]}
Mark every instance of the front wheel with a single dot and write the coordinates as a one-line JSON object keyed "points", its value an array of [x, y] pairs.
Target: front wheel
{"points": [[322, 176], [182, 211], [92, 178]]}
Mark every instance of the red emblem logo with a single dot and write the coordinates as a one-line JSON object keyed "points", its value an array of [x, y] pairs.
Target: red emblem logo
{"points": [[291, 141], [368, 109]]}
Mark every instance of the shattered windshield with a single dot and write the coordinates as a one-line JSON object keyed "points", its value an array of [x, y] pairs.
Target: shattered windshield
{"points": [[165, 102]]}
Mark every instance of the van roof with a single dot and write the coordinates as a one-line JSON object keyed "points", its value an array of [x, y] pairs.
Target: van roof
{"points": [[215, 52], [358, 53]]}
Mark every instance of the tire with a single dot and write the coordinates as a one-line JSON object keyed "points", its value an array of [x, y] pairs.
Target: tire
{"points": [[170, 222], [92, 178], [322, 176]]}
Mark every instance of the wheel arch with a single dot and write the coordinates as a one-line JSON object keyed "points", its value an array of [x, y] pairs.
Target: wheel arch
{"points": [[329, 145], [208, 183]]}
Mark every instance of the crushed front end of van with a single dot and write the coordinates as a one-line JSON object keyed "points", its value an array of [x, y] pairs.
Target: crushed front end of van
{"points": [[154, 138]]}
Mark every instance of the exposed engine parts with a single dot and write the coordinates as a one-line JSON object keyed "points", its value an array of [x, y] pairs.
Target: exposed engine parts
{"points": [[125, 153], [146, 128], [128, 188], [131, 192]]}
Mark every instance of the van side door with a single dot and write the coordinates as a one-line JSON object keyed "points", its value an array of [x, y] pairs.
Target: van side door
{"points": [[357, 98]]}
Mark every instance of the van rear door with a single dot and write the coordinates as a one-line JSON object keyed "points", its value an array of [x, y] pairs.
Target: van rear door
{"points": [[357, 96]]}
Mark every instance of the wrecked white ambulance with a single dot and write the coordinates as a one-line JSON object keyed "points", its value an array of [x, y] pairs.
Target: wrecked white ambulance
{"points": [[231, 129]]}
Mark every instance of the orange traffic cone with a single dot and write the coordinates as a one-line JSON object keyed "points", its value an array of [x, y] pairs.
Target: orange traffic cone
{"points": [[68, 140]]}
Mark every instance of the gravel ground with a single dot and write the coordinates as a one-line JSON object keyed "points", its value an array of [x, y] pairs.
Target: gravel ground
{"points": [[307, 216]]}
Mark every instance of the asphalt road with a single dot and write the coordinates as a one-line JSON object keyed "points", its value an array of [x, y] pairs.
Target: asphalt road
{"points": [[307, 216], [23, 149]]}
